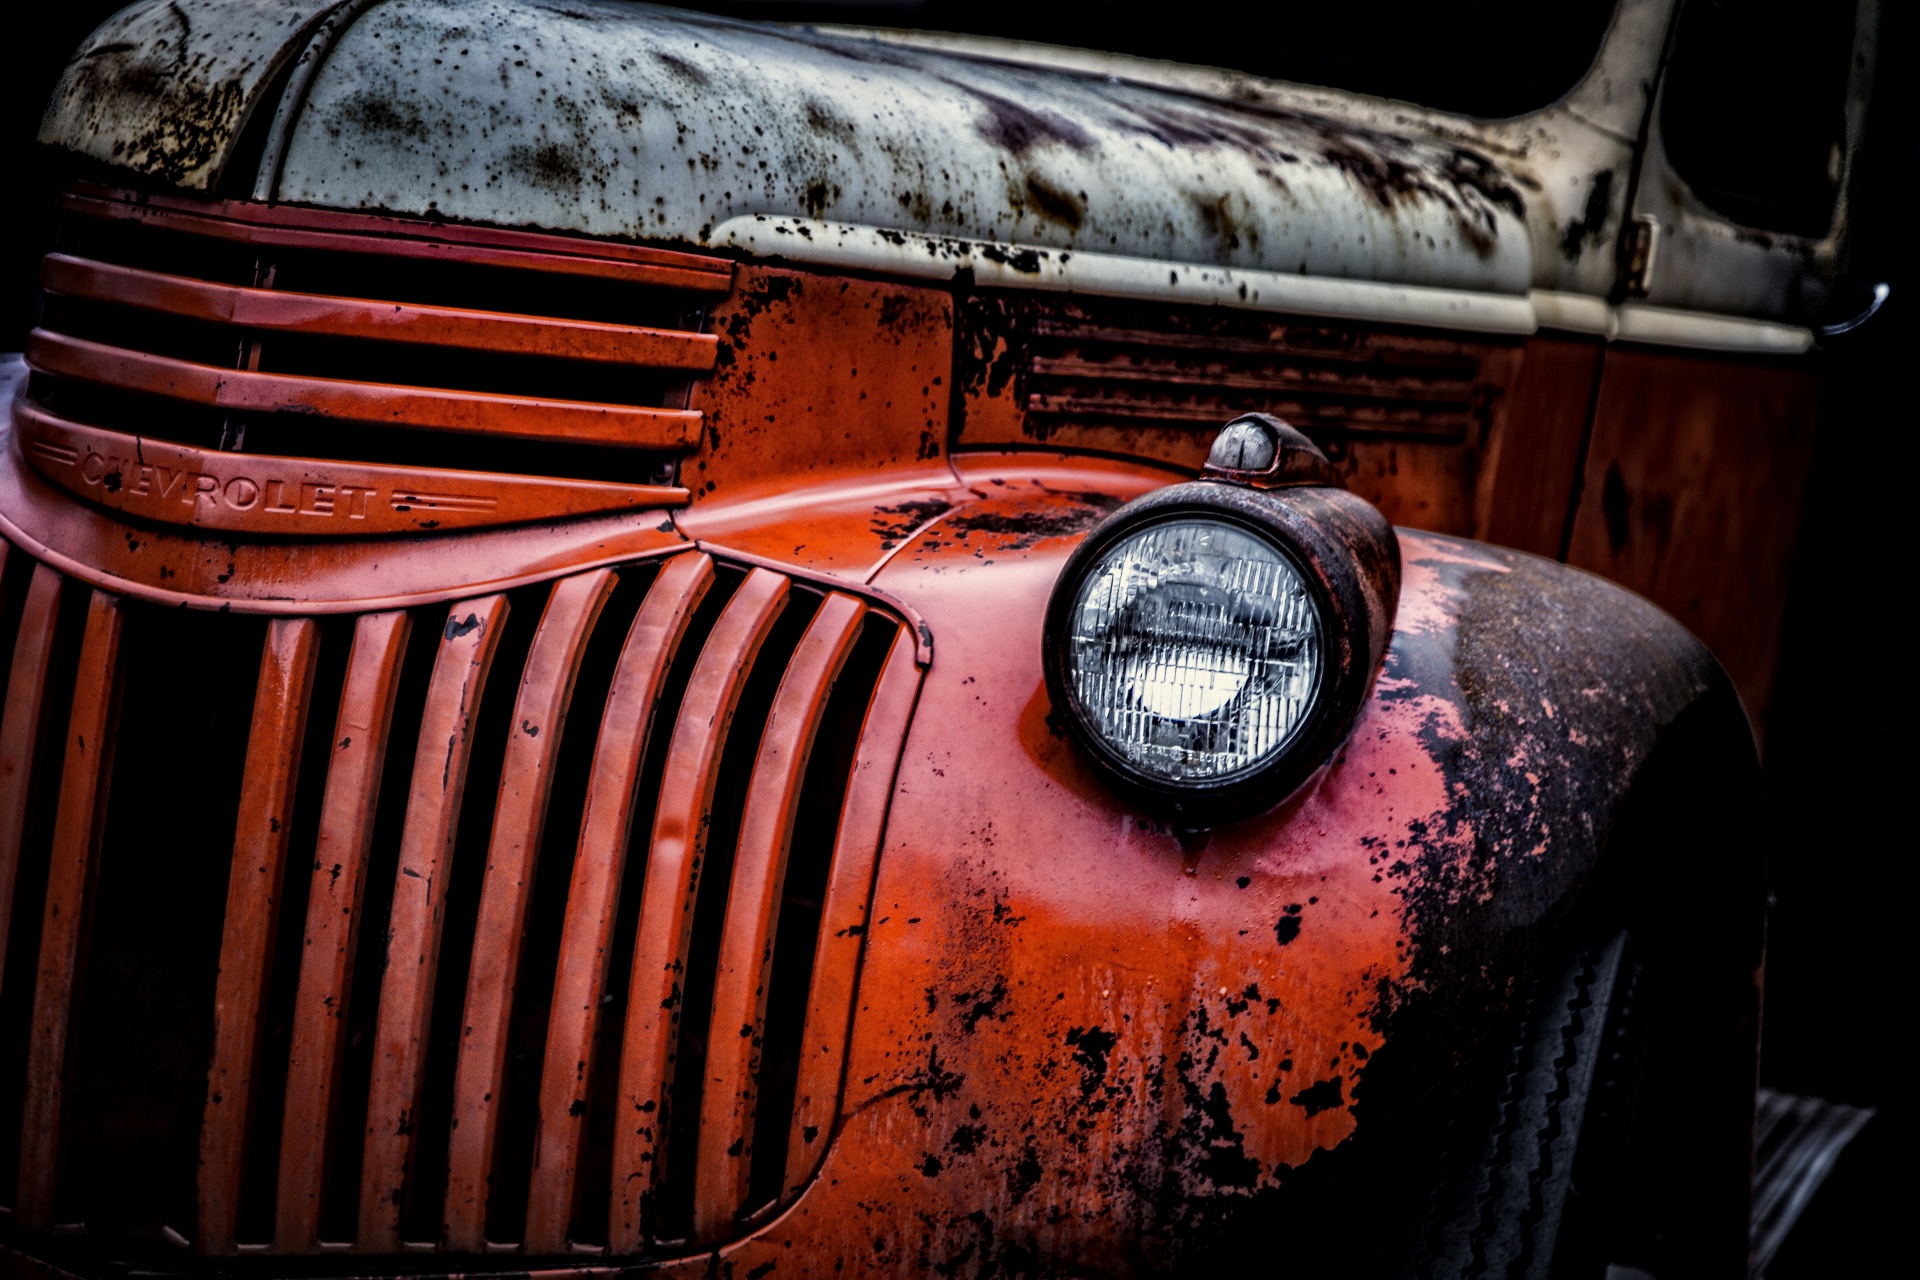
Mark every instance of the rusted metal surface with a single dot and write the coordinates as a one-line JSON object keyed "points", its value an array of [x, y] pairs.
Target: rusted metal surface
{"points": [[1526, 479], [183, 568], [845, 913], [301, 497], [1085, 1039], [260, 839], [824, 667], [593, 894], [299, 78], [426, 239], [422, 408], [414, 922], [520, 815], [1414, 422], [730, 1092], [1118, 1055], [85, 775], [845, 246], [20, 728], [1072, 363], [276, 393], [166, 86], [674, 861], [1690, 494], [1043, 1067], [65, 276], [826, 421], [334, 917]]}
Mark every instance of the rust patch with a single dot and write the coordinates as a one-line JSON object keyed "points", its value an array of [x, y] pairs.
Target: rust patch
{"points": [[894, 524], [552, 166], [189, 105], [1006, 526], [681, 68], [379, 115], [1055, 204], [1589, 230]]}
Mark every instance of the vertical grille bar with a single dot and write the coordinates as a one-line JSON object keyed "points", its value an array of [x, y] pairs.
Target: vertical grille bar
{"points": [[526, 780], [843, 917], [20, 728], [334, 903], [738, 1023], [593, 895], [668, 899], [757, 676], [471, 636], [281, 696], [76, 848]]}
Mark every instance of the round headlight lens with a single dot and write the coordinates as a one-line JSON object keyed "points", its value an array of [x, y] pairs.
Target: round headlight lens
{"points": [[1194, 650]]}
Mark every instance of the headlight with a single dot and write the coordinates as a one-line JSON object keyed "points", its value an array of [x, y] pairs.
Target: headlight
{"points": [[1210, 641], [1194, 649]]}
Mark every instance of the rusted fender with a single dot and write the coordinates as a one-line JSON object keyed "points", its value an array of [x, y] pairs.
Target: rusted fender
{"points": [[165, 87], [1090, 1044]]}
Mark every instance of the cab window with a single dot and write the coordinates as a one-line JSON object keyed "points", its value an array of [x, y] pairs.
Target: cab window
{"points": [[1754, 109]]}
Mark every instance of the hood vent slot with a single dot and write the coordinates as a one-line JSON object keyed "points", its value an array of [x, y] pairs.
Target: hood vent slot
{"points": [[1064, 368]]}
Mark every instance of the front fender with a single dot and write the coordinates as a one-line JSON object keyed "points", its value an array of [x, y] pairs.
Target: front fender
{"points": [[1087, 1042]]}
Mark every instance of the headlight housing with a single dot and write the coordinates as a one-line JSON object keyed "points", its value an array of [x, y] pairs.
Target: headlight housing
{"points": [[1208, 643]]}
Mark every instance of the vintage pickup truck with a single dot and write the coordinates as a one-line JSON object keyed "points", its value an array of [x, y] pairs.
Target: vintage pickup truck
{"points": [[638, 641]]}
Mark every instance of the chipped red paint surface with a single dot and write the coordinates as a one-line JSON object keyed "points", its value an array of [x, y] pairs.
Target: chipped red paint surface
{"points": [[1081, 1033]]}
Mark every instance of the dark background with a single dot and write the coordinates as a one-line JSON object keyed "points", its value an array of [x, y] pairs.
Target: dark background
{"points": [[1837, 760]]}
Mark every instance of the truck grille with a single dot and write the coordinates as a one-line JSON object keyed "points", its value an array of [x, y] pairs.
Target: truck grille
{"points": [[278, 370], [486, 928]]}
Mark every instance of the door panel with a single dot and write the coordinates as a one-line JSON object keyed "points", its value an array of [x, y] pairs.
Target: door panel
{"points": [[1692, 495]]}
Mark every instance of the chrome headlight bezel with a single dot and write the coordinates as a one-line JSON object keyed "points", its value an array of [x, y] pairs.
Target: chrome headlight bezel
{"points": [[1348, 561]]}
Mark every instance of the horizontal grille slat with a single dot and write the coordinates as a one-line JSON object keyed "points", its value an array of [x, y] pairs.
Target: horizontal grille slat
{"points": [[712, 707], [419, 408], [1298, 380], [266, 309], [264, 493], [404, 237], [1211, 412], [446, 376]]}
